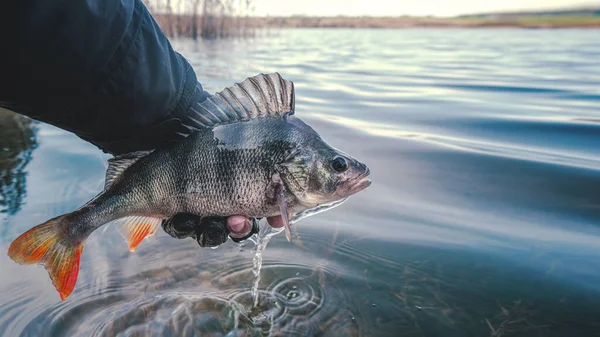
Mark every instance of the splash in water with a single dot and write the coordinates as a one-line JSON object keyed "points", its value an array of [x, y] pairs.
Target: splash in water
{"points": [[265, 233]]}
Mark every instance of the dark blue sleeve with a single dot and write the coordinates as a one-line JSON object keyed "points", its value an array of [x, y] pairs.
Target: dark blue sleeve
{"points": [[102, 69]]}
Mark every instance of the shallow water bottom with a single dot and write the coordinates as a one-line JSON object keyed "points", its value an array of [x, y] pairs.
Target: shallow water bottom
{"points": [[345, 293]]}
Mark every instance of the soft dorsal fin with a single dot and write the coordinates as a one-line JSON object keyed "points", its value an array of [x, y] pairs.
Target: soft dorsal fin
{"points": [[264, 95], [118, 164]]}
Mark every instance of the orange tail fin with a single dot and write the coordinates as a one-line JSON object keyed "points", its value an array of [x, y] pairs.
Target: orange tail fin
{"points": [[44, 244]]}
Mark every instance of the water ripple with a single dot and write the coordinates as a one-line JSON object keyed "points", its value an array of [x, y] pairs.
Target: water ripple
{"points": [[484, 149]]}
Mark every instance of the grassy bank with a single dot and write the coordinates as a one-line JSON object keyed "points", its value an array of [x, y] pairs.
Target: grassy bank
{"points": [[227, 26], [533, 21], [223, 18]]}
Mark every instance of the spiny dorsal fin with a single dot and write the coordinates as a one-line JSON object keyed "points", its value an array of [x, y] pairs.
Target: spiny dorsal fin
{"points": [[264, 95], [118, 164]]}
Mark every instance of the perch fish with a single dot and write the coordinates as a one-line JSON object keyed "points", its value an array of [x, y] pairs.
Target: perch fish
{"points": [[250, 155]]}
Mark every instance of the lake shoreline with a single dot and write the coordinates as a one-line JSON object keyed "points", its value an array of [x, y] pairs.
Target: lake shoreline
{"points": [[425, 22], [168, 21]]}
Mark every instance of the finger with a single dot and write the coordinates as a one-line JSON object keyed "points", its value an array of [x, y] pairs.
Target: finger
{"points": [[254, 230], [181, 225], [275, 221], [211, 232], [239, 226]]}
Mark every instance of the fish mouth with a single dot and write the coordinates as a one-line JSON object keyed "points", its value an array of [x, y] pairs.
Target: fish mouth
{"points": [[360, 183]]}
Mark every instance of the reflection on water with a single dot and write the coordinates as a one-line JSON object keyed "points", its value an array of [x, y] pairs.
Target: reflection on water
{"points": [[17, 141], [482, 219]]}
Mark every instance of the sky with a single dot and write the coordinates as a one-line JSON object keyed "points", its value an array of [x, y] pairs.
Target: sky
{"points": [[405, 7]]}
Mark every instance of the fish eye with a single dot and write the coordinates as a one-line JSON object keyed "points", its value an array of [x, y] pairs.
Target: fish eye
{"points": [[339, 164]]}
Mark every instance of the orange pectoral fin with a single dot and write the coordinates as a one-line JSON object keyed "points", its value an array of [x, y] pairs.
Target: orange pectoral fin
{"points": [[135, 229]]}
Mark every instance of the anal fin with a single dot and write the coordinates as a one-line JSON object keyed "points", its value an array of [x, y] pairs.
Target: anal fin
{"points": [[135, 229]]}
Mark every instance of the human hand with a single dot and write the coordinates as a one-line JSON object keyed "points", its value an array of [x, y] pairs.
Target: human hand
{"points": [[210, 231]]}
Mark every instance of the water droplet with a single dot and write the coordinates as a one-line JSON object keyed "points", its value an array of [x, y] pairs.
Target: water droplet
{"points": [[294, 287], [374, 305], [232, 333], [291, 295]]}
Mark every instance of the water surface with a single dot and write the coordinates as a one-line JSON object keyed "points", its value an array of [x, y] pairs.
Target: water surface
{"points": [[482, 219]]}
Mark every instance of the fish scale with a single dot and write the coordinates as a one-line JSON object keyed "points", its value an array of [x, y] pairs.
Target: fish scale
{"points": [[248, 155]]}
